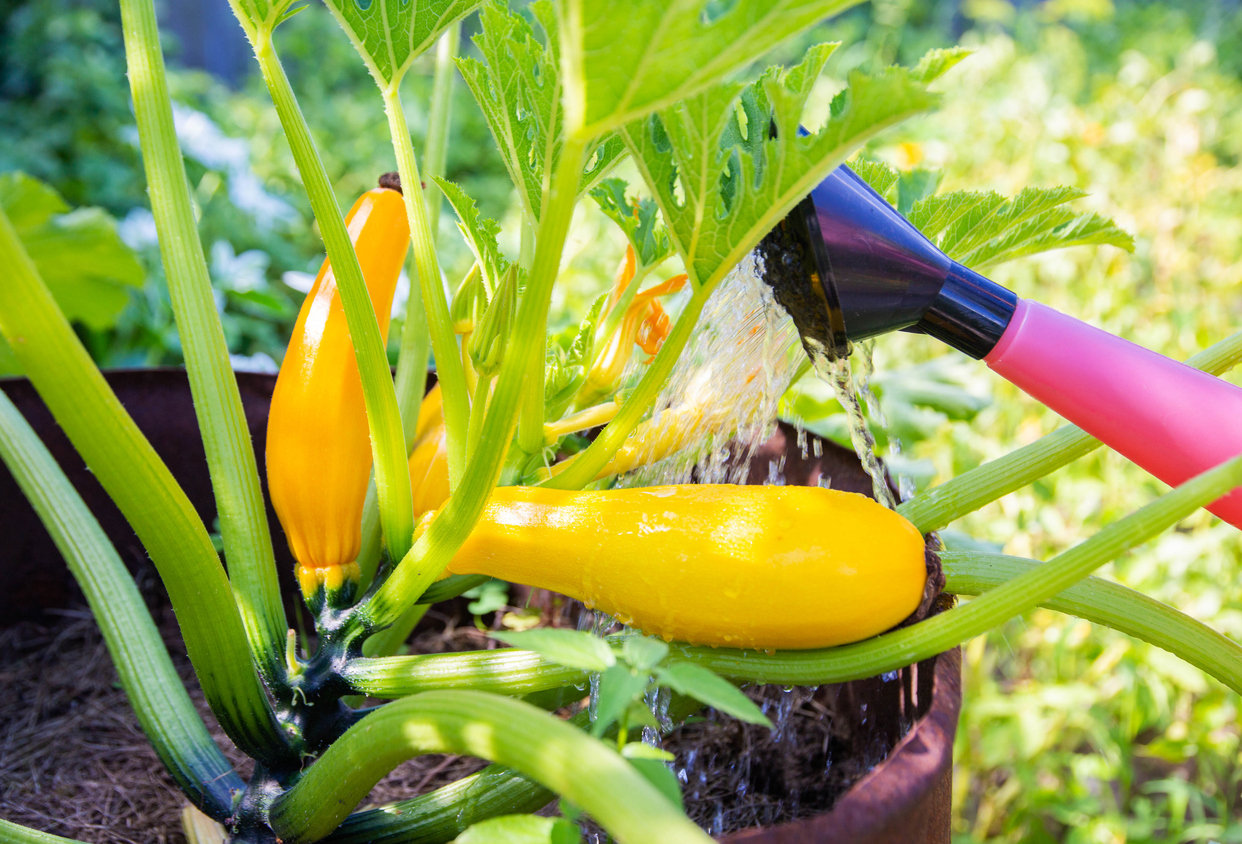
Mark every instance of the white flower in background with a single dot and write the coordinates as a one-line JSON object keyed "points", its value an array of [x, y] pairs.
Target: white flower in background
{"points": [[258, 362], [138, 229], [299, 281], [205, 142], [247, 271]]}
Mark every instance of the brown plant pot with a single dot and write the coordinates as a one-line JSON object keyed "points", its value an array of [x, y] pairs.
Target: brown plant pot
{"points": [[908, 726]]}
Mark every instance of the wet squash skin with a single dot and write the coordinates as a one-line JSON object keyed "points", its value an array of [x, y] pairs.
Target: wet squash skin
{"points": [[731, 566]]}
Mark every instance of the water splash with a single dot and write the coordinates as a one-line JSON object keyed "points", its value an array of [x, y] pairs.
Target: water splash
{"points": [[866, 352], [720, 402], [837, 373]]}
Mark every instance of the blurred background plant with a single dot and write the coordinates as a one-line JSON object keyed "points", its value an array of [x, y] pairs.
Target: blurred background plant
{"points": [[1070, 733]]}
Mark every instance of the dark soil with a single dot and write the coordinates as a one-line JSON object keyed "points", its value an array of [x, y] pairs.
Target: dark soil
{"points": [[74, 762]]}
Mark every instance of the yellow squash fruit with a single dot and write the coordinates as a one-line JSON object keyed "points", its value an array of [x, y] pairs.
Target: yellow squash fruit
{"points": [[428, 462], [733, 566], [318, 442]]}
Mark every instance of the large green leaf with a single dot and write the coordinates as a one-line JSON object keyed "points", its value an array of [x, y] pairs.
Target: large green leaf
{"points": [[626, 60], [728, 164], [79, 254], [519, 91], [390, 34]]}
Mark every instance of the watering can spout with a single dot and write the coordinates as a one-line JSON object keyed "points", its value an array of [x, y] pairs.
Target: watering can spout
{"points": [[848, 266], [877, 273]]}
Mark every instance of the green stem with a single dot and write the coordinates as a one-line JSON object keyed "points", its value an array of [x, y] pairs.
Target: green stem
{"points": [[927, 638], [940, 505], [440, 118], [1103, 602], [553, 753], [143, 489], [371, 549], [14, 834], [588, 463], [387, 641], [146, 673], [217, 403], [456, 398], [392, 477], [478, 409], [446, 812], [506, 671], [436, 547]]}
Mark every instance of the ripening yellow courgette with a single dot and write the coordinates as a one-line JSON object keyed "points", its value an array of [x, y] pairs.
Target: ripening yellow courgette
{"points": [[318, 442], [736, 566], [428, 461]]}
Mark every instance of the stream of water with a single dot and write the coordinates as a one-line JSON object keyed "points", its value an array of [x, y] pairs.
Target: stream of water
{"points": [[722, 398], [723, 393]]}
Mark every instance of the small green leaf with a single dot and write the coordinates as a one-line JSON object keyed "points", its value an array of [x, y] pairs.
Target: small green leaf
{"points": [[517, 86], [726, 165], [488, 596], [582, 349], [643, 652], [521, 829], [707, 687], [491, 335], [637, 219], [914, 185], [618, 688], [571, 648], [391, 34], [479, 232], [935, 63], [879, 175], [640, 750], [626, 60], [652, 763]]}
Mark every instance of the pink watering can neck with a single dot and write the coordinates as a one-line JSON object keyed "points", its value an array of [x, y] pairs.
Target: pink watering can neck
{"points": [[848, 266]]}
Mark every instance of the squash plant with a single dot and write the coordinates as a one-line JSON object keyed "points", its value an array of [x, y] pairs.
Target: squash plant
{"points": [[568, 90]]}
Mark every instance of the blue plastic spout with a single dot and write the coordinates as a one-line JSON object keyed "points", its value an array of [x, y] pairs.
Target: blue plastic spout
{"points": [[848, 266]]}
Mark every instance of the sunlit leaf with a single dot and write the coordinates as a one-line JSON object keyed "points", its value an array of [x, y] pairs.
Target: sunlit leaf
{"points": [[936, 63], [879, 175], [729, 163], [643, 652], [707, 687], [652, 763], [914, 185], [619, 686], [564, 647], [984, 229], [639, 219], [626, 60], [391, 34], [518, 88], [479, 232]]}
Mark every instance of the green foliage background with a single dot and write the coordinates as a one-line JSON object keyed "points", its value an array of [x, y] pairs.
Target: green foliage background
{"points": [[1069, 733]]}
